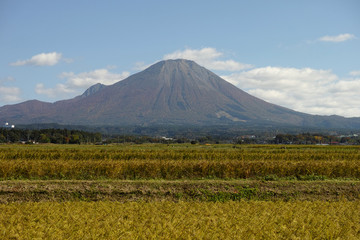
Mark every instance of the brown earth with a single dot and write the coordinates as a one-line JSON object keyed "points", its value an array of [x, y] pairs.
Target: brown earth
{"points": [[184, 190]]}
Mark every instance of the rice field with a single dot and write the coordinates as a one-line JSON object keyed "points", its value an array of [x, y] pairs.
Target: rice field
{"points": [[131, 162], [179, 191], [183, 220]]}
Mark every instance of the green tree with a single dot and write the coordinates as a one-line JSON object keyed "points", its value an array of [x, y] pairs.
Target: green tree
{"points": [[44, 138]]}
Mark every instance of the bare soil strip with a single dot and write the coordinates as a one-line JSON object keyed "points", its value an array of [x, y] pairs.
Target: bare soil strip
{"points": [[178, 190]]}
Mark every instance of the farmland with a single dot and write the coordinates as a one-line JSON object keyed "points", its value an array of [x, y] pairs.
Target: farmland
{"points": [[177, 191], [184, 220], [133, 162]]}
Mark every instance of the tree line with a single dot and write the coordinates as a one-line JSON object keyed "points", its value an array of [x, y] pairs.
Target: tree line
{"points": [[307, 138], [57, 136], [67, 136]]}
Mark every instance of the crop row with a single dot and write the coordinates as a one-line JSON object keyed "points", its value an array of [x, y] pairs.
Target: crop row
{"points": [[172, 169], [183, 220], [180, 162], [180, 152]]}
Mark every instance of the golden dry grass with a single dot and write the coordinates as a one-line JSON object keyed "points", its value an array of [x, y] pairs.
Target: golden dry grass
{"points": [[183, 220], [177, 162]]}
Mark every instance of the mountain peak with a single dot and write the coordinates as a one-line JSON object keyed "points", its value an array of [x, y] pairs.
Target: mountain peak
{"points": [[180, 70], [172, 92], [176, 61], [171, 65], [93, 89]]}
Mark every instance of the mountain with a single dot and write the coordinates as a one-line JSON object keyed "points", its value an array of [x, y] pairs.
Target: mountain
{"points": [[173, 92], [93, 89]]}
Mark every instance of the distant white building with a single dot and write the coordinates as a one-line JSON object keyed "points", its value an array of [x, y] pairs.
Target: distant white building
{"points": [[167, 139], [7, 125]]}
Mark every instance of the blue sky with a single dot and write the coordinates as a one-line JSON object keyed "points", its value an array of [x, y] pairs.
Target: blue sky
{"points": [[304, 55]]}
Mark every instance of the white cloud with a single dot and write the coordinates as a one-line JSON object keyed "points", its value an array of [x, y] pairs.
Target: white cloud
{"points": [[355, 73], [139, 66], [9, 94], [42, 59], [306, 90], [209, 58], [111, 67], [338, 38], [60, 90], [7, 79], [87, 79], [77, 83]]}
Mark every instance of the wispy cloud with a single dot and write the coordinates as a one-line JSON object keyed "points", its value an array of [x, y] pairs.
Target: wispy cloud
{"points": [[87, 79], [7, 79], [42, 59], [9, 94], [76, 83], [209, 58], [60, 90], [355, 73], [306, 90], [338, 38], [139, 66]]}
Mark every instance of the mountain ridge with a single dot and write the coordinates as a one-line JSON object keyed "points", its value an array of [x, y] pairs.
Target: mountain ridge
{"points": [[175, 92]]}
